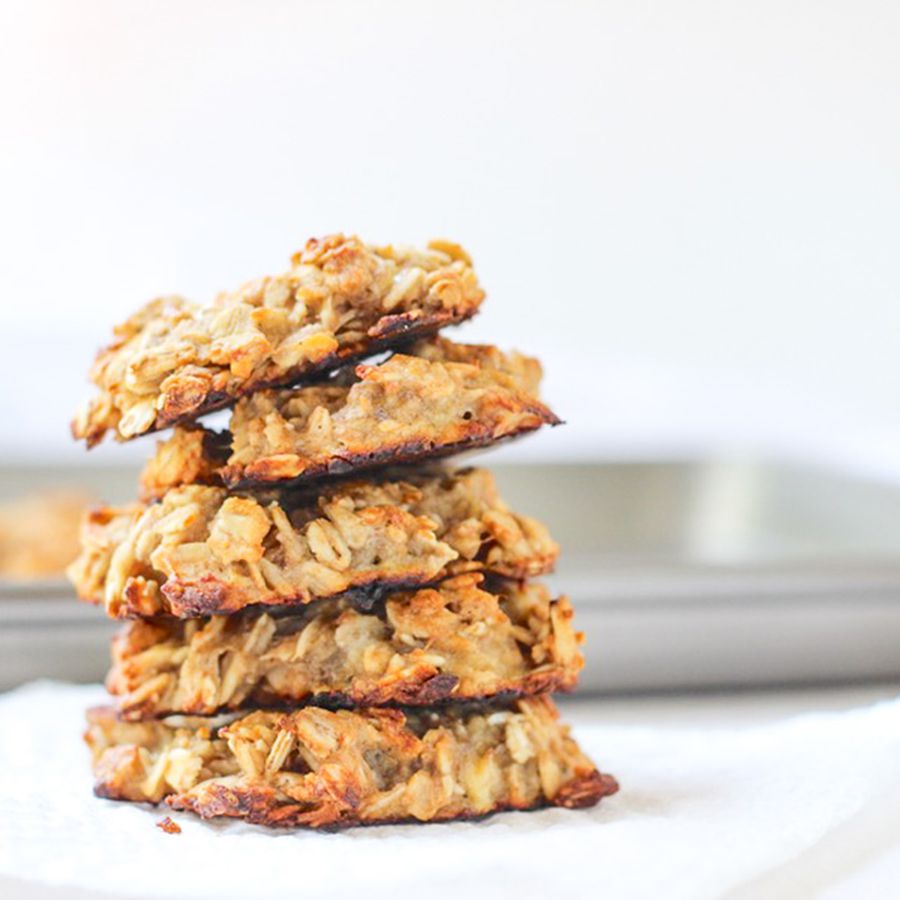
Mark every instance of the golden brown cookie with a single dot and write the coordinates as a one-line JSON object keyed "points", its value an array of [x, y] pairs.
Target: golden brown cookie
{"points": [[459, 640], [443, 399], [340, 300], [201, 550], [321, 768]]}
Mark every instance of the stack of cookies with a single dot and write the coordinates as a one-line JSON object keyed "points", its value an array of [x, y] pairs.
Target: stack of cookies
{"points": [[325, 624]]}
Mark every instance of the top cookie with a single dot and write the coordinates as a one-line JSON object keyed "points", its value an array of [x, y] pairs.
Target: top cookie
{"points": [[341, 300]]}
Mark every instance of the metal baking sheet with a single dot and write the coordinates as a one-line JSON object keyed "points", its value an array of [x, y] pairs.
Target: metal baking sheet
{"points": [[684, 574], [723, 574]]}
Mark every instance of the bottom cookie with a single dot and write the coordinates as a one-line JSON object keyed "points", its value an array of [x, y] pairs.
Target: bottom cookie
{"points": [[321, 768]]}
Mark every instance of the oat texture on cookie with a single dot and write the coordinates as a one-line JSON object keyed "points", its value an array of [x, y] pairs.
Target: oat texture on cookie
{"points": [[324, 622]]}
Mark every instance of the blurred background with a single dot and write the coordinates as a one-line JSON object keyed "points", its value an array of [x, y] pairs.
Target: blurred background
{"points": [[690, 212]]}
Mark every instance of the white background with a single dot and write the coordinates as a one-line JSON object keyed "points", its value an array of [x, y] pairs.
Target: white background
{"points": [[690, 211]]}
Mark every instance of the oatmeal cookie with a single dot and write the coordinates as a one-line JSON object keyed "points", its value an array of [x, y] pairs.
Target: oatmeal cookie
{"points": [[201, 550], [340, 300], [320, 768], [444, 399], [457, 640]]}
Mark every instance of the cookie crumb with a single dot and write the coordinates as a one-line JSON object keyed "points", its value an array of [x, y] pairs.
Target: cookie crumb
{"points": [[168, 826]]}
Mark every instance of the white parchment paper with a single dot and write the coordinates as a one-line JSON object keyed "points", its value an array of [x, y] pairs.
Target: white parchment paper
{"points": [[701, 811]]}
